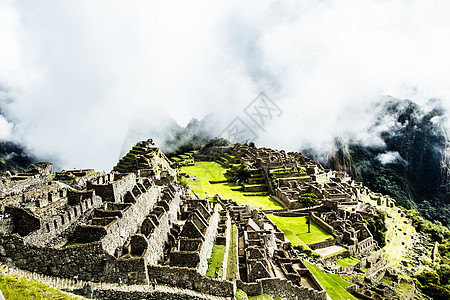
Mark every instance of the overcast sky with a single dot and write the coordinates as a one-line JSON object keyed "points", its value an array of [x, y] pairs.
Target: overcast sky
{"points": [[76, 77]]}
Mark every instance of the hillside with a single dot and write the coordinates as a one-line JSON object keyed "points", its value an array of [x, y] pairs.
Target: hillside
{"points": [[14, 158], [267, 223], [414, 165]]}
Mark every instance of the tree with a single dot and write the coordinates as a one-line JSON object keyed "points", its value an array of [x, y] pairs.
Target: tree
{"points": [[444, 273], [377, 226], [308, 200], [426, 277]]}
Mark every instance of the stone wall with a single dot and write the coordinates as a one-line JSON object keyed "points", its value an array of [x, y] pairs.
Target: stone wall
{"points": [[323, 224], [366, 245], [139, 295], [120, 230], [57, 221], [227, 247], [193, 280], [160, 234], [370, 260], [6, 226], [283, 288], [327, 243], [12, 190], [339, 255], [210, 236], [286, 201], [89, 261], [376, 267], [251, 289]]}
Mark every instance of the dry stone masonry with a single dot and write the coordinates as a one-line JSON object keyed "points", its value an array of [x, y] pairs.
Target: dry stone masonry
{"points": [[137, 224]]}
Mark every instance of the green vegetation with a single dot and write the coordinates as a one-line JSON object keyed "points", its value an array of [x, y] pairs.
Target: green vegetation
{"points": [[206, 171], [377, 226], [240, 295], [332, 283], [232, 263], [73, 243], [435, 231], [21, 288], [430, 284], [348, 261], [398, 234], [296, 230], [260, 297], [308, 200], [216, 261]]}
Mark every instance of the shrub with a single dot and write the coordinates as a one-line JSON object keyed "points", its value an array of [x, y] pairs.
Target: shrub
{"points": [[308, 200], [377, 226], [299, 248]]}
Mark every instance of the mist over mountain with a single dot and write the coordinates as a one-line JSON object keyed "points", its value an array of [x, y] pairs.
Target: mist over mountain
{"points": [[410, 160], [14, 158], [413, 166], [81, 81]]}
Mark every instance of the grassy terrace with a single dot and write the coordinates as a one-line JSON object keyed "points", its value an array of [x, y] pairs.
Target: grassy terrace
{"points": [[398, 234], [296, 230], [216, 261], [206, 171], [232, 263], [20, 288], [348, 261], [333, 283]]}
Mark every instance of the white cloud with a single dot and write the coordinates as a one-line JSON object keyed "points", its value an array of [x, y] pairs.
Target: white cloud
{"points": [[83, 74], [391, 157]]}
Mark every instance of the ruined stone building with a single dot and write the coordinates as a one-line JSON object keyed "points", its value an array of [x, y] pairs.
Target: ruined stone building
{"points": [[136, 223]]}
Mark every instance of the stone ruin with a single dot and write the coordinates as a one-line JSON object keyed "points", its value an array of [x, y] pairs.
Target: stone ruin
{"points": [[341, 211], [136, 223]]}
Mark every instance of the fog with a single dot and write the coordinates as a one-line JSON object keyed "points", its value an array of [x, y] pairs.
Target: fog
{"points": [[82, 81]]}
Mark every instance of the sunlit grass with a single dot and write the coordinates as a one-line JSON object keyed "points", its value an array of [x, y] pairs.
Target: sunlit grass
{"points": [[216, 261], [348, 261], [21, 288], [296, 230], [332, 283], [206, 171]]}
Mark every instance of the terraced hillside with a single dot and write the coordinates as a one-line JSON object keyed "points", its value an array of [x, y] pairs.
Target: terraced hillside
{"points": [[140, 157], [235, 178]]}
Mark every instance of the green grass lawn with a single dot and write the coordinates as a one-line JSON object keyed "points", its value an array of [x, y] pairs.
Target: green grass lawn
{"points": [[348, 261], [21, 288], [296, 230], [206, 171], [232, 263], [333, 283], [216, 261]]}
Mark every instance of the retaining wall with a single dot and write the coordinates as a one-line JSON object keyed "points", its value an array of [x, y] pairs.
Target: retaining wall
{"points": [[194, 280], [89, 261], [283, 288]]}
